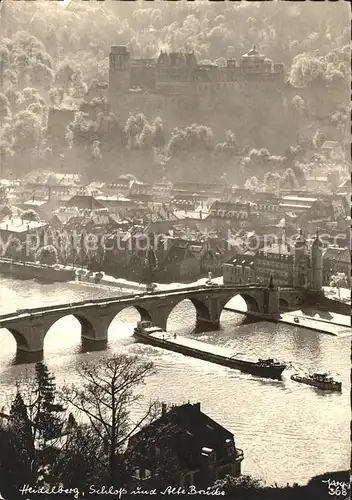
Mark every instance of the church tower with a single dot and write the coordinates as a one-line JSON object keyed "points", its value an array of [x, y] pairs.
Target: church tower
{"points": [[317, 264], [300, 262]]}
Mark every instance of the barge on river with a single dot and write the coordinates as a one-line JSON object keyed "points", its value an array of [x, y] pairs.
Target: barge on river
{"points": [[322, 381], [268, 368]]}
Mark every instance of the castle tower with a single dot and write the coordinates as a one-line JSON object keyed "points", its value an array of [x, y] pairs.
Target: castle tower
{"points": [[300, 262], [317, 264], [253, 61], [119, 69]]}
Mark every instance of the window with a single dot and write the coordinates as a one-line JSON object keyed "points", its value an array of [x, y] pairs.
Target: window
{"points": [[230, 449]]}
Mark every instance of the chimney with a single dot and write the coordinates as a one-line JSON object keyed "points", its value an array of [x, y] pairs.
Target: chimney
{"points": [[163, 409], [197, 406]]}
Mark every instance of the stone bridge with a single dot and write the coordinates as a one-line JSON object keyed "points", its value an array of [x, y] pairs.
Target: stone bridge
{"points": [[29, 327]]}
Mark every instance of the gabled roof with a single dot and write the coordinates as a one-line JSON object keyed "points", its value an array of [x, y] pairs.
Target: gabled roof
{"points": [[62, 217], [177, 253], [84, 201], [189, 432], [160, 226]]}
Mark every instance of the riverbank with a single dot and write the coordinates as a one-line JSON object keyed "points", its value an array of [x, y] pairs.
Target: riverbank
{"points": [[109, 281], [338, 326], [31, 270]]}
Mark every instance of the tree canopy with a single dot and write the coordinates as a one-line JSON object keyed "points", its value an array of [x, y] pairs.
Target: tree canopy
{"points": [[53, 59]]}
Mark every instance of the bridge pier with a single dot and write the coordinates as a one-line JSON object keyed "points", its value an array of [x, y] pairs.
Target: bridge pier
{"points": [[27, 357], [271, 302], [30, 341], [160, 315], [88, 344], [208, 314], [94, 333], [206, 325]]}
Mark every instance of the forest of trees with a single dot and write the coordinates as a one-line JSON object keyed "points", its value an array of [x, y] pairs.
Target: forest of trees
{"points": [[50, 55]]}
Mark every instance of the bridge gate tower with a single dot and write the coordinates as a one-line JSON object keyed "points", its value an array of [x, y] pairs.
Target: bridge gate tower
{"points": [[317, 264], [300, 262], [271, 305]]}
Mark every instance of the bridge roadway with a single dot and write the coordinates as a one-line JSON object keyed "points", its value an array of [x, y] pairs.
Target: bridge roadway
{"points": [[29, 326]]}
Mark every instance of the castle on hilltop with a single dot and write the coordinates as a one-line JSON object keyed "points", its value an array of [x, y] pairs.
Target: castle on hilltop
{"points": [[177, 82], [251, 96]]}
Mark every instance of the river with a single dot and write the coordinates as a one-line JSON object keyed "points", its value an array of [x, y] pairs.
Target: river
{"points": [[289, 432]]}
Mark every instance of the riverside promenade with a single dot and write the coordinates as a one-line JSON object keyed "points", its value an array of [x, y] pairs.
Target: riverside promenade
{"points": [[32, 270], [339, 325]]}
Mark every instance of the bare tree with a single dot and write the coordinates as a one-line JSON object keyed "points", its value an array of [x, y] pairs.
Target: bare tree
{"points": [[105, 396], [339, 280], [80, 458]]}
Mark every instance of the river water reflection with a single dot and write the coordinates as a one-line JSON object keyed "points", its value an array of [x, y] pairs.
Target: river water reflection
{"points": [[289, 432]]}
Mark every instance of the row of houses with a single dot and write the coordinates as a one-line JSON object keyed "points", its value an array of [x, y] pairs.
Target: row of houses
{"points": [[63, 186], [280, 261], [197, 224]]}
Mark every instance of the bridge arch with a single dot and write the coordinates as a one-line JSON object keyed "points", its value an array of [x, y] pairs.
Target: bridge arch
{"points": [[86, 327], [20, 339], [144, 315], [249, 302], [283, 304], [143, 312], [201, 309], [85, 323]]}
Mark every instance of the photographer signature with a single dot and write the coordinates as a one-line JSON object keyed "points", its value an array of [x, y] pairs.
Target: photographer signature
{"points": [[337, 488]]}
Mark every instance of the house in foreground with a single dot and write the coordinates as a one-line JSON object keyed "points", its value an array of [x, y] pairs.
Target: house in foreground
{"points": [[186, 445]]}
